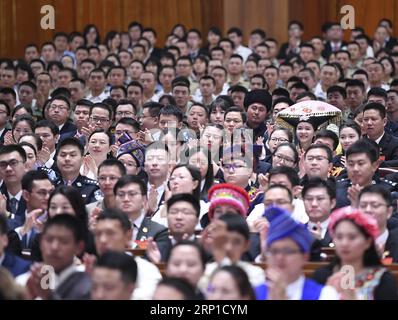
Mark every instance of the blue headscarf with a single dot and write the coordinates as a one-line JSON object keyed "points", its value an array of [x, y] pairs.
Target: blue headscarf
{"points": [[282, 225]]}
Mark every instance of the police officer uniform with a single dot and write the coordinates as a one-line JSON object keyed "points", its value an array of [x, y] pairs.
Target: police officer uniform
{"points": [[343, 185], [88, 188]]}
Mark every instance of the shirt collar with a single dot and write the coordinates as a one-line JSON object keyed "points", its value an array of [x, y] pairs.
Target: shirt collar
{"points": [[18, 196], [174, 241], [138, 222], [2, 257], [294, 290], [64, 274], [382, 239], [324, 226], [379, 139]]}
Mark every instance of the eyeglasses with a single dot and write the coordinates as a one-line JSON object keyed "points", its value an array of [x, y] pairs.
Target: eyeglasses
{"points": [[373, 205], [229, 166], [12, 163], [129, 194], [111, 179], [100, 120], [61, 108], [283, 158], [124, 113], [316, 158], [284, 252], [185, 212], [279, 140], [120, 132]]}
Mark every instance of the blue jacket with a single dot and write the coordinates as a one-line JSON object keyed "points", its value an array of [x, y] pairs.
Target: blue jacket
{"points": [[15, 264]]}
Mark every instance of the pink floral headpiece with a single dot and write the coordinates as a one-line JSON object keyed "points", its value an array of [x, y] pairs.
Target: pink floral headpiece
{"points": [[363, 220]]}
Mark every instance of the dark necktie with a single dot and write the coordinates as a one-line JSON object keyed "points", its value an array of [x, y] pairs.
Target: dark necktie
{"points": [[13, 205]]}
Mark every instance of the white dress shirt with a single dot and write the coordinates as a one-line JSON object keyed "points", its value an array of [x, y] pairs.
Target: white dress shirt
{"points": [[104, 95], [382, 239], [136, 225], [324, 226], [160, 191], [294, 291]]}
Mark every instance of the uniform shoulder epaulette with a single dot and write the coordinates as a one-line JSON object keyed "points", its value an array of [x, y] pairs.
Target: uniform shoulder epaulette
{"points": [[90, 181], [98, 195], [52, 175], [391, 183]]}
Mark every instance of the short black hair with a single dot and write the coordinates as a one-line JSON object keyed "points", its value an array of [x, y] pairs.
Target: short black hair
{"points": [[320, 183], [119, 261], [48, 124], [289, 172], [181, 285], [187, 197], [378, 92], [61, 97], [355, 83], [7, 90], [130, 179], [378, 189], [238, 88], [376, 106], [8, 109], [236, 109], [171, 110], [6, 149], [153, 108], [116, 214], [325, 133], [68, 221], [260, 32], [280, 186], [366, 146], [236, 223], [337, 89], [323, 147], [113, 163], [84, 103], [282, 92], [72, 141], [104, 106], [130, 122], [236, 30], [31, 176], [194, 244]]}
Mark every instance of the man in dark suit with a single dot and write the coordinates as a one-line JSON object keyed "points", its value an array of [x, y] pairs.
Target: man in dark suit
{"points": [[182, 217], [13, 167], [58, 112], [5, 113], [374, 122], [334, 34], [8, 260], [62, 239], [377, 202], [319, 198], [150, 35], [131, 198]]}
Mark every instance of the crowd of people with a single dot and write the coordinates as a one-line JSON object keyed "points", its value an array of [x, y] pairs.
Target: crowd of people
{"points": [[178, 149]]}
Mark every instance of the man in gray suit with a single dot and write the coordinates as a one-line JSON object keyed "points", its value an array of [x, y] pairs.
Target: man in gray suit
{"points": [[131, 198]]}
